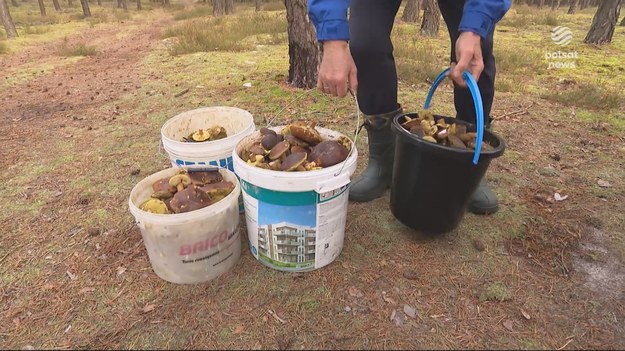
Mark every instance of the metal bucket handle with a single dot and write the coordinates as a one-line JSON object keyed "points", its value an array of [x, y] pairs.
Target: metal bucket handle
{"points": [[477, 102]]}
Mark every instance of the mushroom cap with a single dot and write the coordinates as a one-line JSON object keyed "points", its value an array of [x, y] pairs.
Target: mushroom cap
{"points": [[328, 153], [180, 178], [162, 189], [295, 141], [201, 135], [297, 148], [293, 161], [218, 191], [205, 177], [430, 139], [267, 131], [454, 141], [307, 133], [217, 132], [153, 205], [257, 149], [410, 122], [269, 141], [278, 150], [417, 130], [275, 165], [190, 199]]}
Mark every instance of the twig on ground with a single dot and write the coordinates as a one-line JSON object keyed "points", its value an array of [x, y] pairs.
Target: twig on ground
{"points": [[179, 94], [518, 112]]}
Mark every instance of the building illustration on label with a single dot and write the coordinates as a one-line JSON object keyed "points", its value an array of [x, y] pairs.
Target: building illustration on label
{"points": [[287, 242]]}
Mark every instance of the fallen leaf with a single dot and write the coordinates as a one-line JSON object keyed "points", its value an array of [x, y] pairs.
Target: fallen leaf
{"points": [[479, 244], [148, 308], [238, 329], [353, 291], [86, 290], [508, 324], [525, 314], [411, 275], [70, 275], [603, 183], [121, 270], [559, 197], [387, 299], [410, 312]]}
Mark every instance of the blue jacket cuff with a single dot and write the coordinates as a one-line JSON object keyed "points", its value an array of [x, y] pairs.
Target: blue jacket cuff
{"points": [[333, 30], [476, 22]]}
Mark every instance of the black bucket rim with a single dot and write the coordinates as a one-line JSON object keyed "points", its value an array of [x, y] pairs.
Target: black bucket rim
{"points": [[435, 147]]}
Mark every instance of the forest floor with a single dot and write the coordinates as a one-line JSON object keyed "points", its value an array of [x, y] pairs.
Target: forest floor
{"points": [[81, 106]]}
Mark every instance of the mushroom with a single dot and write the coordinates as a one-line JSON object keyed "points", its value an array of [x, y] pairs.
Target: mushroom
{"points": [[258, 161], [205, 177], [297, 148], [267, 131], [417, 130], [442, 134], [328, 153], [410, 122], [295, 141], [293, 161], [275, 165], [307, 133], [347, 144], [429, 138], [279, 150], [162, 189], [428, 128], [467, 137], [257, 149], [217, 191], [269, 141], [180, 181], [201, 135], [454, 141], [154, 205], [190, 199], [218, 132]]}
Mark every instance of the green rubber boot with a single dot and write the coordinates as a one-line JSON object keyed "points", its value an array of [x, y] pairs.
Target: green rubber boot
{"points": [[483, 201], [376, 178]]}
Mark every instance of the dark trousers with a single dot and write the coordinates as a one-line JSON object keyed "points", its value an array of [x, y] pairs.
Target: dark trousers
{"points": [[370, 25]]}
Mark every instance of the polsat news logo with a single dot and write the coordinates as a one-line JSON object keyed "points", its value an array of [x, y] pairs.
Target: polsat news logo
{"points": [[561, 36]]}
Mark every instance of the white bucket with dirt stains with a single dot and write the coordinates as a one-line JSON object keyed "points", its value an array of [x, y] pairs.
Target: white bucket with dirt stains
{"points": [[295, 220], [192, 247], [238, 123]]}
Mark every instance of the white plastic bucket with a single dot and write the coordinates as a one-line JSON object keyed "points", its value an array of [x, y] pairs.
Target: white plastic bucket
{"points": [[295, 220], [191, 247], [237, 122]]}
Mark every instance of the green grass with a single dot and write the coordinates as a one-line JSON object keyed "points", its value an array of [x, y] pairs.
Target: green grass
{"points": [[3, 48], [496, 291], [35, 29], [197, 11], [224, 34], [76, 50], [587, 96]]}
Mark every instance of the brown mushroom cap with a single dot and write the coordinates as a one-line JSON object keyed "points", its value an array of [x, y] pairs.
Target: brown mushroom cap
{"points": [[205, 177], [294, 141], [307, 133], [257, 149], [328, 153], [278, 150], [218, 191], [454, 141], [217, 132], [297, 148], [190, 199], [417, 130], [269, 141], [162, 189], [266, 131], [293, 161]]}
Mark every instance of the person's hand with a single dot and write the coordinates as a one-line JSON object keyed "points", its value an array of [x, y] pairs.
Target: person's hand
{"points": [[337, 71], [469, 57]]}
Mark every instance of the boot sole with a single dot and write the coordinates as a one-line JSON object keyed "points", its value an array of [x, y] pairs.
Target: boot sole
{"points": [[483, 210]]}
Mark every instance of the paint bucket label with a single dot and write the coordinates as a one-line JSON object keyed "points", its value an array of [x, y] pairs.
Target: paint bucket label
{"points": [[295, 231]]}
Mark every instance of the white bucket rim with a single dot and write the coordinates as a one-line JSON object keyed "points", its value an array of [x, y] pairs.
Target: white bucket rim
{"points": [[227, 139], [219, 206]]}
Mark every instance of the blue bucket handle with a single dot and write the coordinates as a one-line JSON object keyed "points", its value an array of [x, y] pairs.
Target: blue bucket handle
{"points": [[477, 102]]}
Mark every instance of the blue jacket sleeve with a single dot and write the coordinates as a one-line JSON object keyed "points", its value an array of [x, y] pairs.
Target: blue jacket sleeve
{"points": [[329, 18], [480, 16]]}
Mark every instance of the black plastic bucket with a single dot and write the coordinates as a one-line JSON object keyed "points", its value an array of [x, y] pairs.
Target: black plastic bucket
{"points": [[432, 183]]}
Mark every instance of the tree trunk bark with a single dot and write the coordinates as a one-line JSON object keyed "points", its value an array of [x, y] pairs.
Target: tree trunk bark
{"points": [[573, 7], [124, 5], [166, 2], [606, 17], [304, 53], [57, 6], [541, 3], [411, 11], [139, 5], [229, 7], [431, 18], [259, 5], [99, 2], [42, 8], [85, 8], [7, 21], [219, 7], [555, 4]]}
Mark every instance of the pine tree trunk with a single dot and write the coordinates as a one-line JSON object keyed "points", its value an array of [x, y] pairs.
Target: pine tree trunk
{"points": [[411, 11], [99, 2], [584, 4], [259, 5], [124, 5], [166, 3], [555, 4], [541, 3], [304, 53], [7, 21], [139, 5], [57, 6], [573, 7], [431, 18], [15, 3], [85, 8], [70, 3], [42, 8], [606, 17], [229, 8], [219, 7]]}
